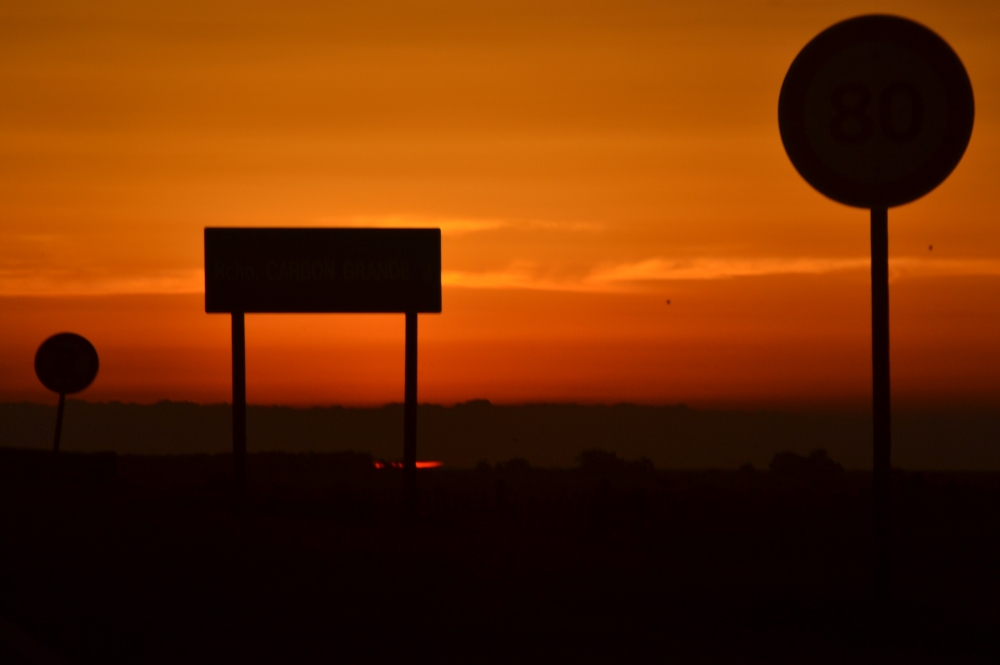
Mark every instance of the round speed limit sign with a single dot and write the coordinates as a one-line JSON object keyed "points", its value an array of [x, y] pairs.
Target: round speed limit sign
{"points": [[66, 363], [876, 111]]}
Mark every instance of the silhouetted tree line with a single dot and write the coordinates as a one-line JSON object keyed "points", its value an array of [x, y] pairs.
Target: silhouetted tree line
{"points": [[550, 435]]}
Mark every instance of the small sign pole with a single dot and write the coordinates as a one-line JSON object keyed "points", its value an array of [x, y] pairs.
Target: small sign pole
{"points": [[239, 407], [881, 408], [410, 414], [65, 363], [59, 419]]}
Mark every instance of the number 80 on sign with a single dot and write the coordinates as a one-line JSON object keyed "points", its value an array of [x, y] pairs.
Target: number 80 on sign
{"points": [[876, 111]]}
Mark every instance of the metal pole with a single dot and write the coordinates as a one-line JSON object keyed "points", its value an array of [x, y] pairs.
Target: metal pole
{"points": [[59, 419], [239, 407], [410, 413], [881, 410]]}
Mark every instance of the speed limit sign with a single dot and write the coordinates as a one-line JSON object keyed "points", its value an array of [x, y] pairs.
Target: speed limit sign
{"points": [[876, 111]]}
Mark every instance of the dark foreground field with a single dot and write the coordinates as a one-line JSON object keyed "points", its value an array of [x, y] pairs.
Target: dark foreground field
{"points": [[622, 563]]}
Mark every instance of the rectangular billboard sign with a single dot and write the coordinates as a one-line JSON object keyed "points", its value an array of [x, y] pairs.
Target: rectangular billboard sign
{"points": [[322, 270]]}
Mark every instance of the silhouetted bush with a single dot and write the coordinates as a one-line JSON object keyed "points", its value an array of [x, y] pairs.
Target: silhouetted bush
{"points": [[516, 464], [816, 465], [595, 461], [604, 463], [642, 465], [27, 463]]}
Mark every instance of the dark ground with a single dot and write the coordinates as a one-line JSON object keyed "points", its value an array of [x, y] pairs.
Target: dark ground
{"points": [[621, 563]]}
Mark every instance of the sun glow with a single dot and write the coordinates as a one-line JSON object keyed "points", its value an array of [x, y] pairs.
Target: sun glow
{"points": [[421, 464]]}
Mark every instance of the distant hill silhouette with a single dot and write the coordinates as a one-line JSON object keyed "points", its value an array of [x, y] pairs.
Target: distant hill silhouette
{"points": [[546, 435]]}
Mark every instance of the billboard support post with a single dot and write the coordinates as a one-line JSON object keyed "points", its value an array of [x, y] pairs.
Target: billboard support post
{"points": [[239, 407], [410, 413]]}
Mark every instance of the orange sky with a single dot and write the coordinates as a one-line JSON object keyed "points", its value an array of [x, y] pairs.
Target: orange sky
{"points": [[585, 160]]}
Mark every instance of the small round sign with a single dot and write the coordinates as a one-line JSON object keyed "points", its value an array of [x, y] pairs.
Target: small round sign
{"points": [[876, 111], [66, 363]]}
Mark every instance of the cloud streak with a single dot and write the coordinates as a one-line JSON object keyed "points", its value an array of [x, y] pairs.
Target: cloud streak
{"points": [[458, 226], [608, 278], [626, 277], [67, 283], [449, 227]]}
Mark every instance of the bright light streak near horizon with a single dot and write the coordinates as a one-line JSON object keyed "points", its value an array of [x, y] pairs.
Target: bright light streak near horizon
{"points": [[426, 464]]}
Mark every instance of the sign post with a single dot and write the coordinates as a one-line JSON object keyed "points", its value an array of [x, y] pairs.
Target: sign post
{"points": [[875, 112], [65, 363], [268, 270], [410, 412], [881, 400], [239, 349]]}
